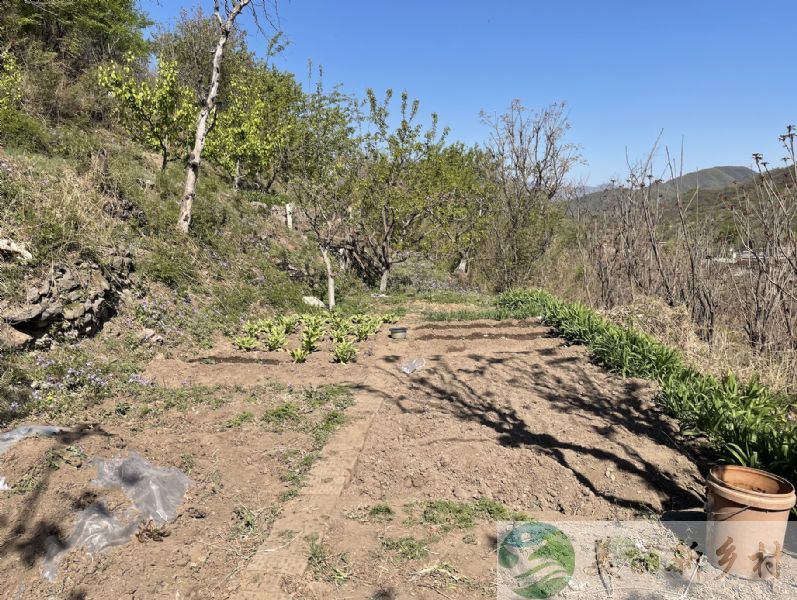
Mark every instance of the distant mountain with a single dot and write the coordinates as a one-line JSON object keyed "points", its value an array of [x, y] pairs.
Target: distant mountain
{"points": [[708, 181], [714, 178]]}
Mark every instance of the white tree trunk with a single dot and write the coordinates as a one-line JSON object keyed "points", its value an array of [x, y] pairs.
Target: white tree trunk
{"points": [[195, 158], [289, 215], [383, 281], [462, 266], [330, 279]]}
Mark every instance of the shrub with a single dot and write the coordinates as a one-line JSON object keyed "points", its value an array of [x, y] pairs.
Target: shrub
{"points": [[18, 130]]}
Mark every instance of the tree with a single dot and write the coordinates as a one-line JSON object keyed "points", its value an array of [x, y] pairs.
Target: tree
{"points": [[81, 33], [203, 124], [531, 159], [458, 203], [394, 191], [326, 172], [252, 130], [157, 112]]}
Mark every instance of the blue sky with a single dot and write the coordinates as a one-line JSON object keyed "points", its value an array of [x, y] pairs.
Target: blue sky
{"points": [[717, 74]]}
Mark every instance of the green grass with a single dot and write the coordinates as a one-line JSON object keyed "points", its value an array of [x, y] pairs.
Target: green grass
{"points": [[452, 514], [749, 423], [406, 548]]}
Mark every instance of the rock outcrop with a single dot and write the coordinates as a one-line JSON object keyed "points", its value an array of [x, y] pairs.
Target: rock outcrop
{"points": [[74, 301]]}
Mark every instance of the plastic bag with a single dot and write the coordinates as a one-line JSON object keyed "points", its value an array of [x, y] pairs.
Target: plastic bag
{"points": [[412, 365], [155, 491], [96, 529], [10, 438]]}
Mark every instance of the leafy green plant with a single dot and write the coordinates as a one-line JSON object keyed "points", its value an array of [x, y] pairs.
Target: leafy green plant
{"points": [[300, 354], [311, 336], [344, 351], [246, 342], [276, 338]]}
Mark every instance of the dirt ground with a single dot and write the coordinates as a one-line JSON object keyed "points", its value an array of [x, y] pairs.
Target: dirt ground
{"points": [[500, 411]]}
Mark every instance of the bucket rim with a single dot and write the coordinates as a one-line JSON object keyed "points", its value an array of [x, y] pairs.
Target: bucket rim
{"points": [[762, 500]]}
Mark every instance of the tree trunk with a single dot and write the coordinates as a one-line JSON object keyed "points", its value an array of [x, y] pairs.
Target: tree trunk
{"points": [[289, 215], [236, 182], [330, 279], [462, 266], [383, 280], [164, 158], [195, 158]]}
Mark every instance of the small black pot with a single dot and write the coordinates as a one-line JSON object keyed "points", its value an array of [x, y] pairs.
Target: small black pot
{"points": [[398, 333]]}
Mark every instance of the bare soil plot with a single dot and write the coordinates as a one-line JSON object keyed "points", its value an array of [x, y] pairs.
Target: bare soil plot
{"points": [[502, 418]]}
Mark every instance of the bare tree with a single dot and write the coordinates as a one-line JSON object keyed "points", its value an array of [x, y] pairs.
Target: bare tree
{"points": [[532, 160]]}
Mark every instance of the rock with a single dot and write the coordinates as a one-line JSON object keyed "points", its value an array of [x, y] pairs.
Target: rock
{"points": [[12, 339], [32, 295], [25, 314], [313, 301], [52, 311], [13, 248], [74, 311], [150, 336]]}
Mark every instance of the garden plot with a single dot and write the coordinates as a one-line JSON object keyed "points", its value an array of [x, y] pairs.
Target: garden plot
{"points": [[244, 452], [502, 418]]}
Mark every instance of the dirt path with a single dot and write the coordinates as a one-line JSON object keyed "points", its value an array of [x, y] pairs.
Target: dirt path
{"points": [[500, 411]]}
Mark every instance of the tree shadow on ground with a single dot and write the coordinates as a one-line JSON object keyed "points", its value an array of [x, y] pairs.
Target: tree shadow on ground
{"points": [[28, 537], [613, 408]]}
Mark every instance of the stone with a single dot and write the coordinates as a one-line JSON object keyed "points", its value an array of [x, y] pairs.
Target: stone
{"points": [[52, 311], [74, 311], [32, 295], [22, 315], [13, 339], [313, 301], [74, 296]]}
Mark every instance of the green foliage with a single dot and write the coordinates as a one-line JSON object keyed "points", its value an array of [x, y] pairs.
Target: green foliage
{"points": [[245, 342], [18, 130], [748, 422], [157, 112], [276, 338], [10, 82], [344, 351], [255, 126], [450, 514], [406, 548], [300, 354]]}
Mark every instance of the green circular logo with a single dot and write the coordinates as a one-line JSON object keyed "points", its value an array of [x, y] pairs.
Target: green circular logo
{"points": [[535, 560]]}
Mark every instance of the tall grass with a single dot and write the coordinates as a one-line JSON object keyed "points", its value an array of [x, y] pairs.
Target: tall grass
{"points": [[749, 423]]}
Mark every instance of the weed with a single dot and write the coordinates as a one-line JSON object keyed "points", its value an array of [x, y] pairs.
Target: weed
{"points": [[282, 414], [380, 513], [28, 483], [239, 419], [407, 548], [451, 514], [187, 463], [244, 521], [326, 566], [70, 455]]}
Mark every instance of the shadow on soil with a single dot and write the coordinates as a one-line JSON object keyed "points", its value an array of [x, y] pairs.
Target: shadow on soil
{"points": [[29, 538], [562, 382]]}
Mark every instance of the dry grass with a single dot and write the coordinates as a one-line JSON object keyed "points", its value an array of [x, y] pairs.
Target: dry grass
{"points": [[728, 351]]}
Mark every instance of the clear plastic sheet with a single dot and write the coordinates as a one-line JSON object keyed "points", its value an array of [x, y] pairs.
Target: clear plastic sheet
{"points": [[156, 492], [96, 529], [10, 438], [412, 365]]}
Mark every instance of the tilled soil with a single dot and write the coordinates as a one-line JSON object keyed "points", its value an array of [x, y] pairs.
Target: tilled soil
{"points": [[500, 411]]}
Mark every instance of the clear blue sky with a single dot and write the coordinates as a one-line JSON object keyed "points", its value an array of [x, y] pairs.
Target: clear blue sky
{"points": [[720, 74]]}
